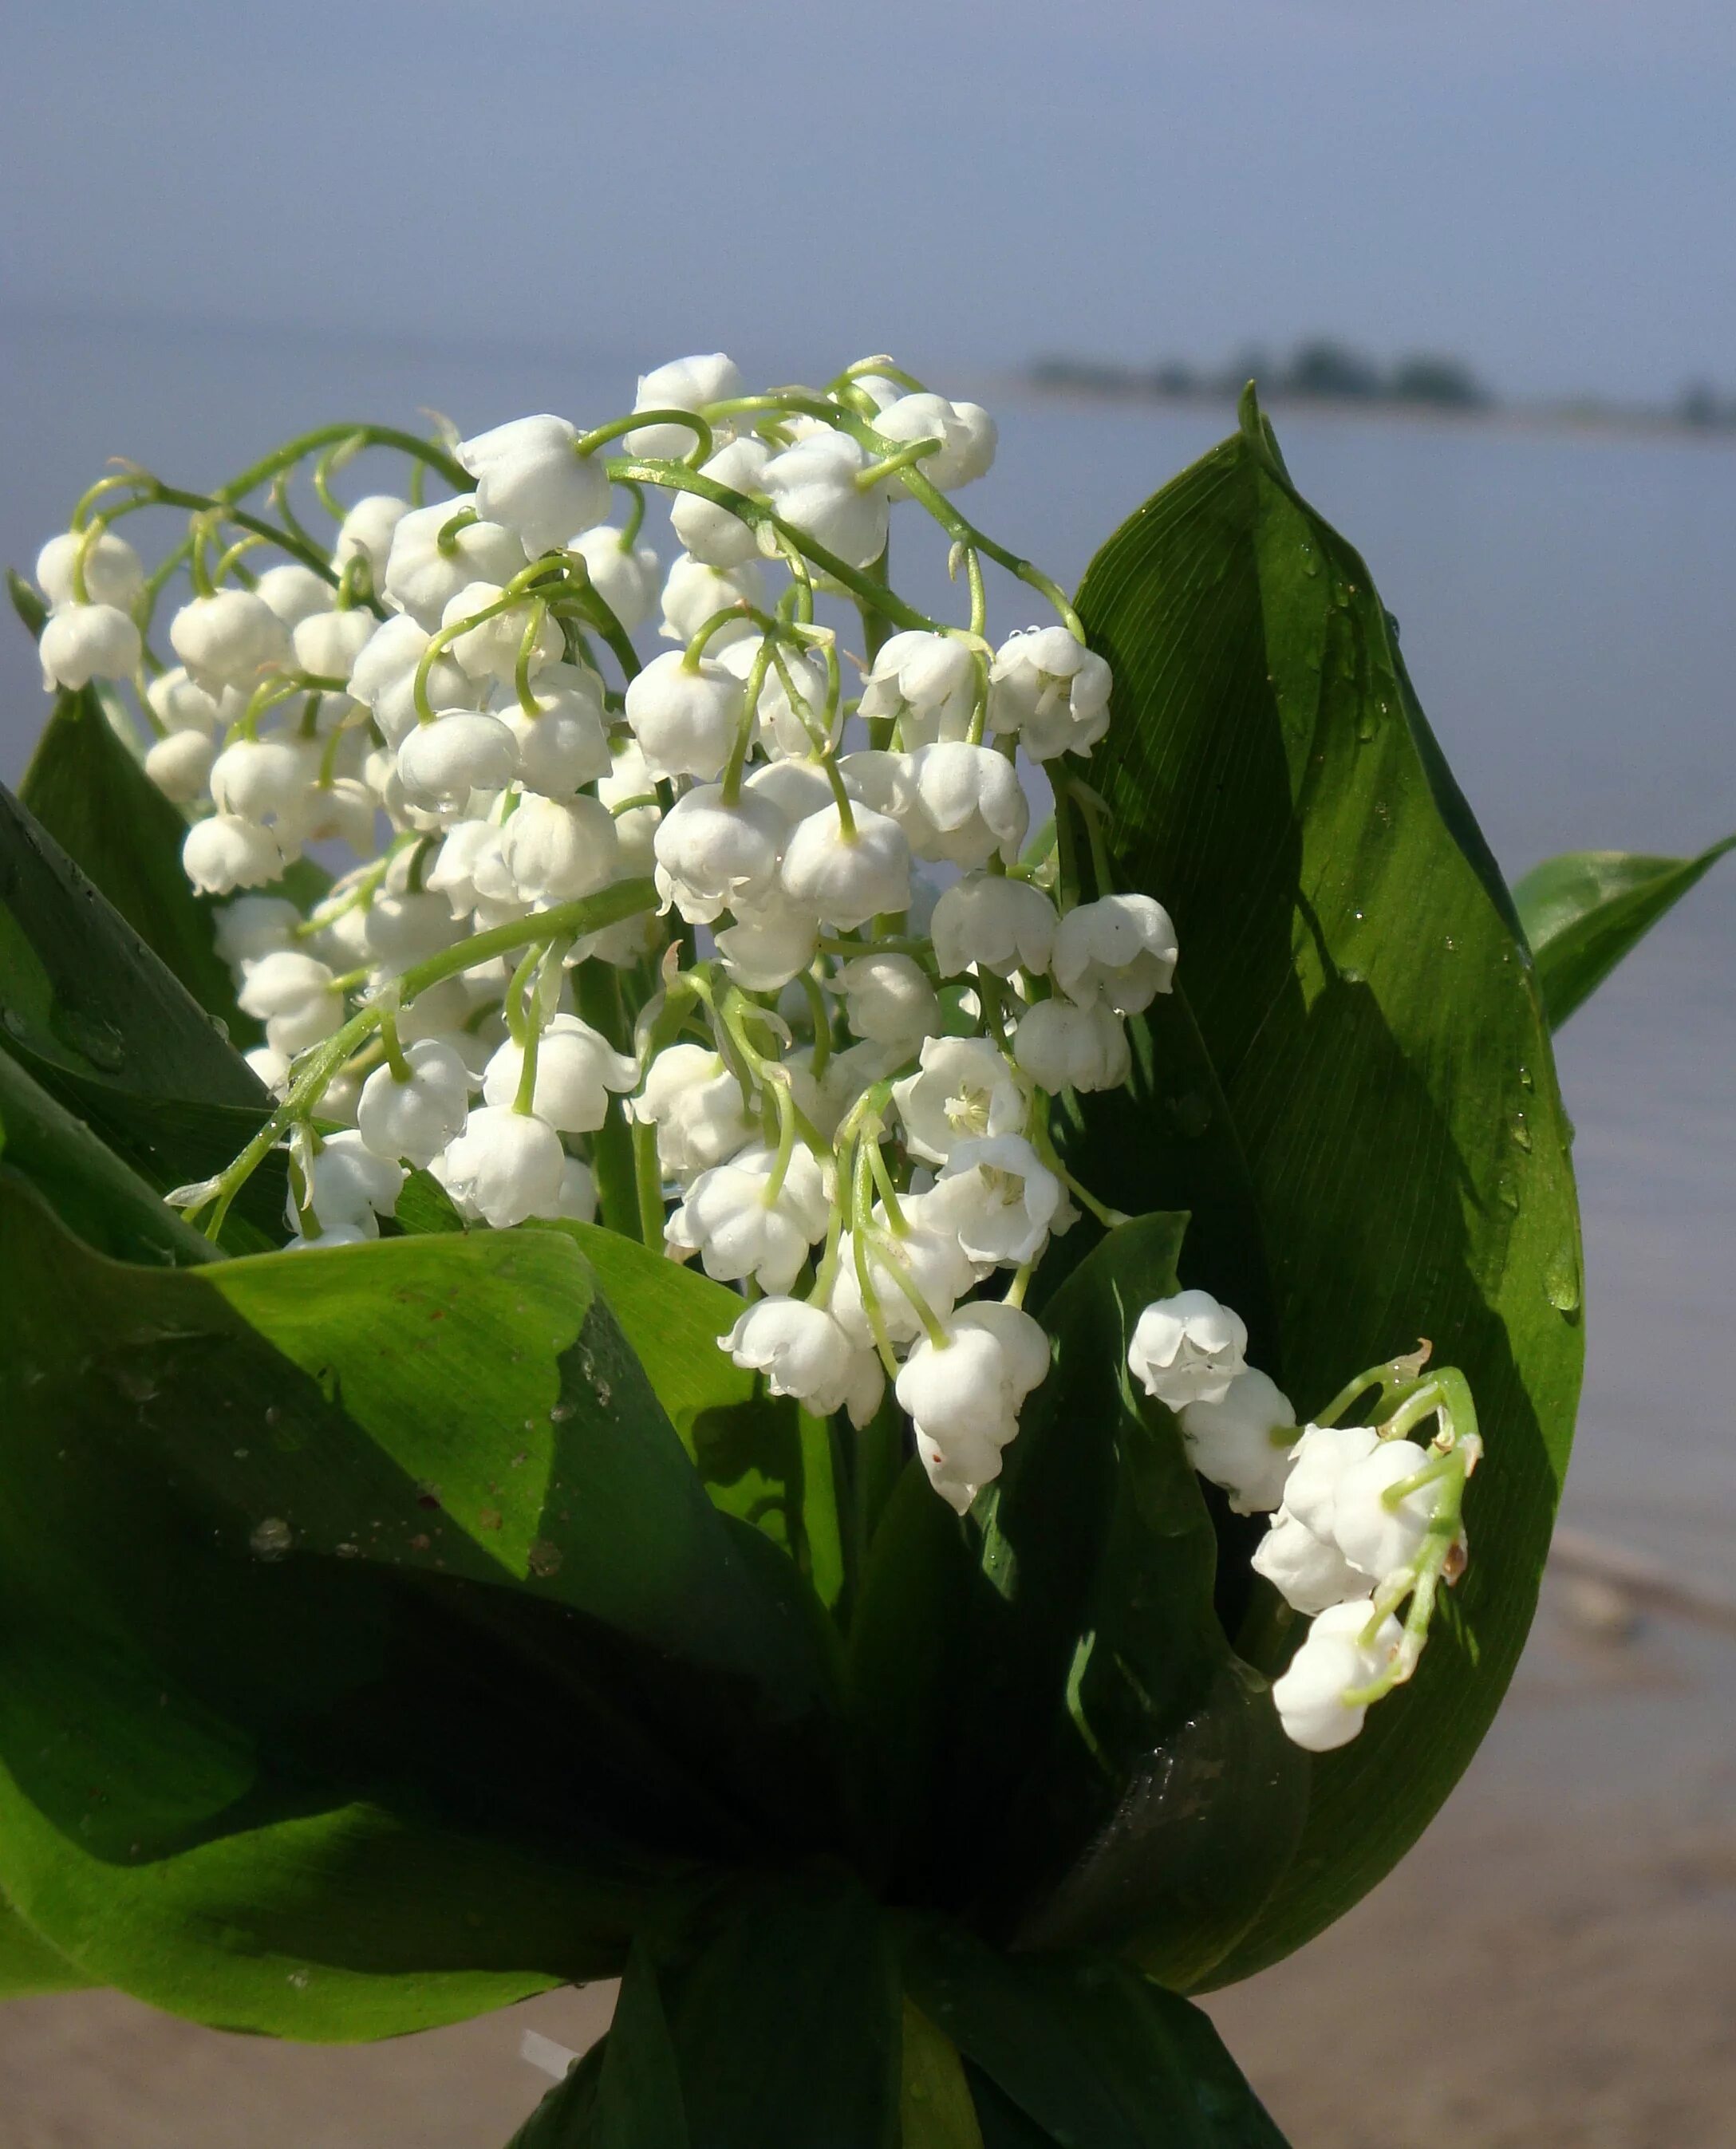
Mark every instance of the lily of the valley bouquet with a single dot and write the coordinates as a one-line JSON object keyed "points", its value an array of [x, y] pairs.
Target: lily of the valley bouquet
{"points": [[710, 1279]]}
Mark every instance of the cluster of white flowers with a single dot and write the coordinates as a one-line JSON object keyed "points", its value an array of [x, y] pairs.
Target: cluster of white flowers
{"points": [[1362, 1518], [762, 918]]}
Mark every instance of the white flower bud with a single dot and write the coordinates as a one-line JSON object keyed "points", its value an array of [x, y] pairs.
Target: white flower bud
{"points": [[696, 1106], [731, 1220], [1188, 1349], [964, 1089], [625, 576], [813, 487], [1375, 1537], [999, 1196], [994, 922], [399, 930], [421, 579], [576, 1070], [327, 643], [469, 868], [462, 751], [799, 789], [933, 1261], [226, 852], [1120, 949], [1317, 1465], [1063, 1046], [712, 533], [711, 856], [1232, 1441], [965, 430], [179, 764], [295, 593], [114, 573], [253, 926], [531, 477], [179, 705], [352, 1187], [684, 383], [557, 849], [1046, 687], [490, 650], [694, 591], [366, 532], [294, 996], [505, 1166], [228, 639], [1309, 1573], [803, 1352], [887, 997], [566, 743], [84, 641], [768, 944], [685, 717], [847, 878], [969, 804], [1332, 1662], [964, 1397], [262, 779], [415, 1120], [926, 683]]}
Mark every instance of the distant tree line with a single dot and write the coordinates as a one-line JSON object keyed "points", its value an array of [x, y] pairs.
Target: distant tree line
{"points": [[1329, 372]]}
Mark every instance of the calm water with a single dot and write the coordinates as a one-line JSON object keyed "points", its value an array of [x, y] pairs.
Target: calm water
{"points": [[1565, 605]]}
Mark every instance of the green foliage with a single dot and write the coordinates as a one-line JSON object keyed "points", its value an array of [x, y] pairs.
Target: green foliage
{"points": [[28, 1964], [1583, 913], [1357, 980]]}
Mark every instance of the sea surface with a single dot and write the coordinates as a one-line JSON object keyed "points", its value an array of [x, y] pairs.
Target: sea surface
{"points": [[1566, 610]]}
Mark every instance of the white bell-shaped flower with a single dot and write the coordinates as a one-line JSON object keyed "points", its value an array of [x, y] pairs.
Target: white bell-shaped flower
{"points": [[698, 1108], [636, 826], [531, 478], [768, 944], [969, 804], [963, 1089], [803, 1352], [686, 718], [781, 726], [1188, 1349], [576, 1069], [462, 751], [366, 533], [848, 877], [225, 852], [1053, 692], [253, 926], [557, 849], [179, 765], [1334, 1660], [422, 576], [327, 643], [294, 996], [964, 1397], [400, 929], [694, 592], [577, 1197], [228, 639], [1242, 1441], [1378, 1536], [416, 1119], [624, 575], [739, 1229], [468, 868], [272, 1067], [711, 856], [813, 486], [351, 1188], [490, 650], [1064, 1046], [295, 593], [1317, 1464], [1120, 949], [997, 1193], [113, 572], [965, 431], [342, 810], [505, 1167], [683, 383], [1309, 1573], [80, 642], [384, 676], [796, 788], [566, 744], [262, 779], [924, 682], [179, 705], [889, 999], [993, 922], [711, 532], [932, 1261]]}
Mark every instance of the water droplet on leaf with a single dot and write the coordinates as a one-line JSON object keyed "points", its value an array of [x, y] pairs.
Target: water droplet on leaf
{"points": [[271, 1539]]}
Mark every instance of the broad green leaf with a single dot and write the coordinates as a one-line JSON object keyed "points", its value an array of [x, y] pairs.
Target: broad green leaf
{"points": [[92, 796], [935, 2107], [1085, 2047], [371, 1654], [1353, 965], [1583, 913], [28, 1964], [639, 2101]]}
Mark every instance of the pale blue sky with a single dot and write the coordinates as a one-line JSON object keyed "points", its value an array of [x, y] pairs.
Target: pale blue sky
{"points": [[1546, 185]]}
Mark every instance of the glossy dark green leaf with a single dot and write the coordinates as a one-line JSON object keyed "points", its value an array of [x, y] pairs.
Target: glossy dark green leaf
{"points": [[28, 1964], [1085, 2047], [936, 2109], [371, 1654], [1351, 961], [92, 796], [1584, 912]]}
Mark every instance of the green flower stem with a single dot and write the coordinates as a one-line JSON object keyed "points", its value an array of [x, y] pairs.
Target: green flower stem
{"points": [[613, 1156], [158, 495], [365, 436], [648, 1178], [388, 1037], [1395, 1378], [587, 444], [324, 470], [528, 642], [635, 521], [1043, 1143]]}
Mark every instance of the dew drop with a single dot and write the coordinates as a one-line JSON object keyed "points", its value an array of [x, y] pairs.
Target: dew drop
{"points": [[559, 1413], [1561, 1280], [543, 1557], [271, 1539], [15, 1023], [1518, 1129], [298, 1979], [1525, 1080], [1507, 1188]]}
